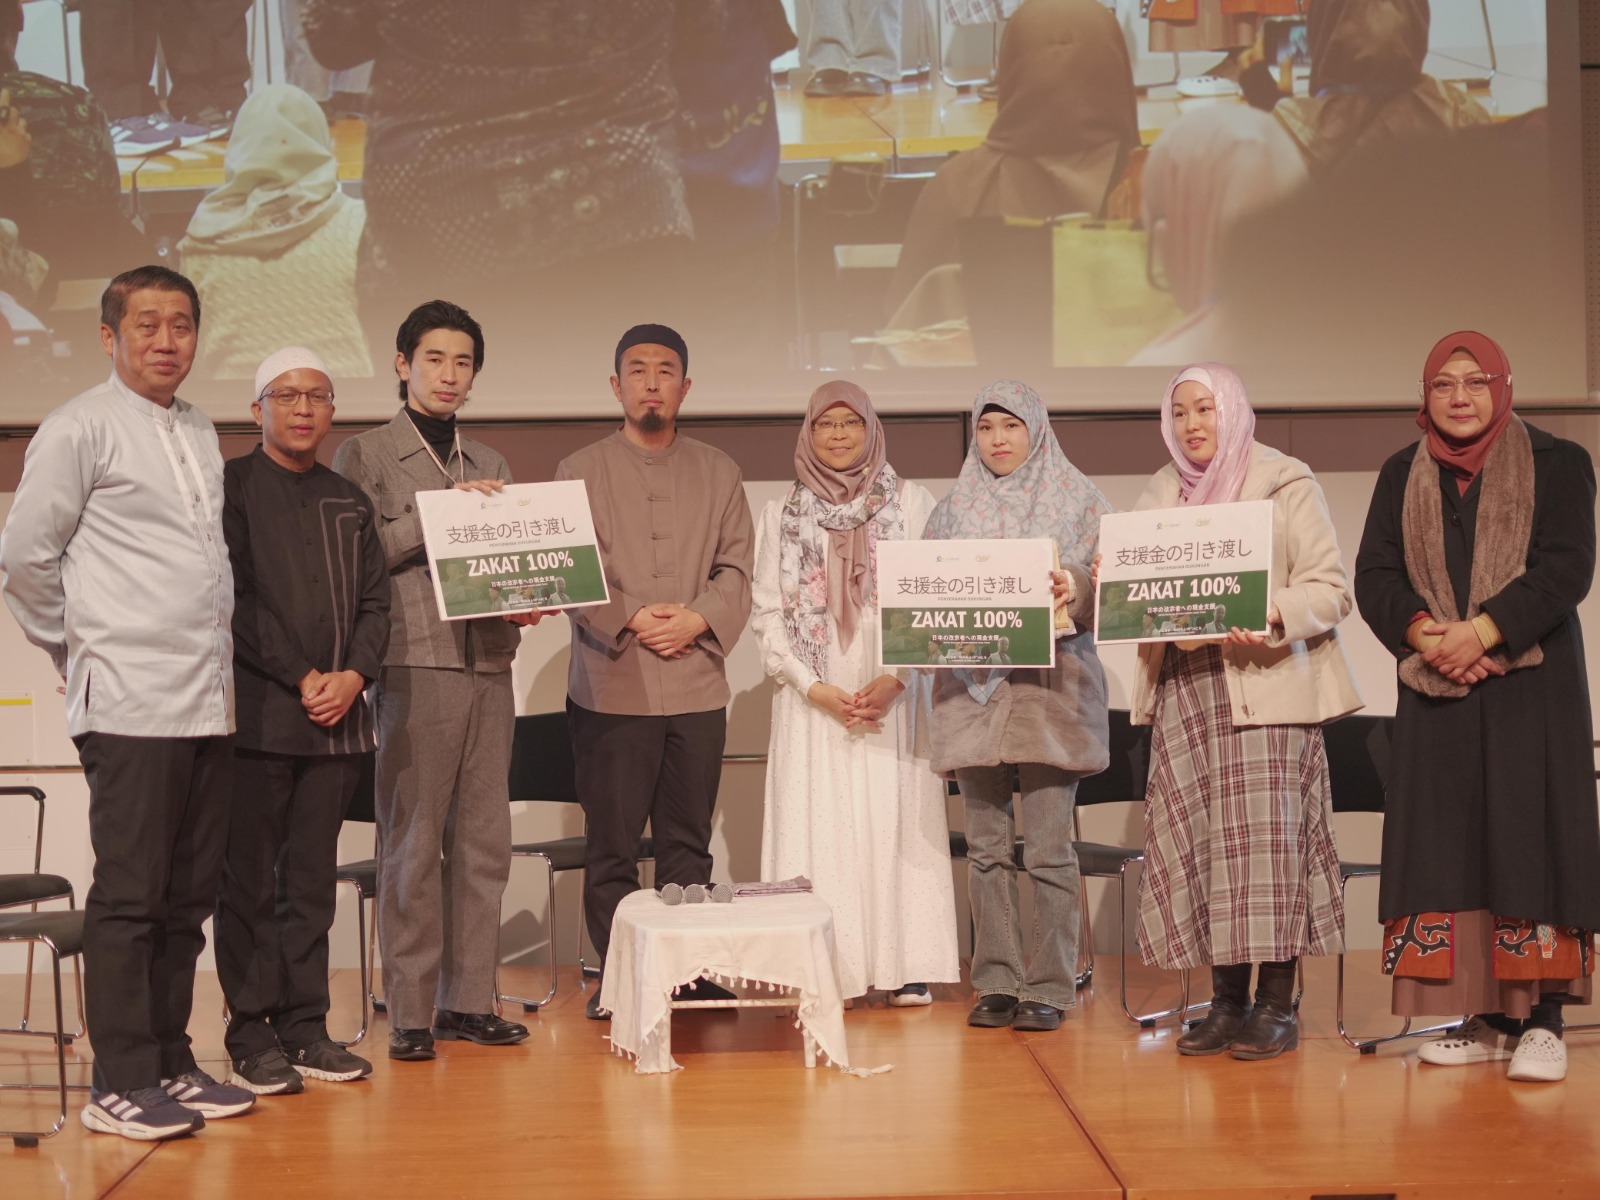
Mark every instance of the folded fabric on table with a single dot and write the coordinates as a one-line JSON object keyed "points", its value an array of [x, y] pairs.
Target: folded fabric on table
{"points": [[783, 887]]}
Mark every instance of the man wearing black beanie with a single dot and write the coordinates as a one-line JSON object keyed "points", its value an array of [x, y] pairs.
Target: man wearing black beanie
{"points": [[647, 693]]}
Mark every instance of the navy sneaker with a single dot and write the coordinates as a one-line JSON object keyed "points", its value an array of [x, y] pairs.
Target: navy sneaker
{"points": [[198, 1091], [144, 1115], [135, 137]]}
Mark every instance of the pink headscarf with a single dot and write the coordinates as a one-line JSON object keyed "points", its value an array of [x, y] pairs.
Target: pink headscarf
{"points": [[1222, 479]]}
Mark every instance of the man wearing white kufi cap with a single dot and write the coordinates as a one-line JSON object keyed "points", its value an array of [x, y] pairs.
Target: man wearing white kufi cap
{"points": [[310, 627]]}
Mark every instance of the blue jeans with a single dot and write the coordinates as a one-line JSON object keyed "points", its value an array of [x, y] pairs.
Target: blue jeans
{"points": [[1052, 863]]}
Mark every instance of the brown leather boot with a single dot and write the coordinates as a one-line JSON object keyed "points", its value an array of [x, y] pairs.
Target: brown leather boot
{"points": [[1273, 1026], [1230, 996]]}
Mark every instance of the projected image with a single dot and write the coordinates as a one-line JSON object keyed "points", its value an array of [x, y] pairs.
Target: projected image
{"points": [[797, 185]]}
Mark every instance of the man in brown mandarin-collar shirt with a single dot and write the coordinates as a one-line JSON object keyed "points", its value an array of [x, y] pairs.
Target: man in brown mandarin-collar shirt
{"points": [[647, 692]]}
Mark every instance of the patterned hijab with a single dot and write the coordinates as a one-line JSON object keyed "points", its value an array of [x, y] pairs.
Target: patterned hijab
{"points": [[1465, 457], [1222, 479], [837, 489], [1044, 497]]}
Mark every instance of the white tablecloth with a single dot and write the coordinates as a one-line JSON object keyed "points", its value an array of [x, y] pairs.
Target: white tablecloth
{"points": [[770, 942]]}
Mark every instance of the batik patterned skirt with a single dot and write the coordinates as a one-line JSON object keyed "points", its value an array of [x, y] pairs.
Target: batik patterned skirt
{"points": [[1240, 864]]}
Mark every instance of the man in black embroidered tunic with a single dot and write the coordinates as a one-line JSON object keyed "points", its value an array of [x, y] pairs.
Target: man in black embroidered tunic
{"points": [[310, 627]]}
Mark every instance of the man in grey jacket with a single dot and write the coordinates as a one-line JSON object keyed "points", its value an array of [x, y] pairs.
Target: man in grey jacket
{"points": [[113, 563], [446, 714]]}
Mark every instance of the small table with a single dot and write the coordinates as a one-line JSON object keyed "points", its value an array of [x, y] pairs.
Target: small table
{"points": [[783, 943]]}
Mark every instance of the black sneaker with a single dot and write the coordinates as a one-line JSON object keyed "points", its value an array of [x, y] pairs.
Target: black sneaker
{"points": [[144, 1115], [197, 1090], [267, 1074], [326, 1059], [484, 1028], [410, 1045], [593, 1011]]}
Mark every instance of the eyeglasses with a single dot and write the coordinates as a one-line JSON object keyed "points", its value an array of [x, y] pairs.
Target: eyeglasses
{"points": [[286, 397], [849, 425], [1475, 386]]}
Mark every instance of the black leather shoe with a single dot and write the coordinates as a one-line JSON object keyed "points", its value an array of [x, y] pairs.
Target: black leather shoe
{"points": [[410, 1045], [484, 1028], [830, 81], [1036, 1017], [993, 1011], [593, 1011]]}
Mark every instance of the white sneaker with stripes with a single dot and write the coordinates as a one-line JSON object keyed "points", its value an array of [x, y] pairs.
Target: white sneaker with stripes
{"points": [[198, 1091], [144, 1115]]}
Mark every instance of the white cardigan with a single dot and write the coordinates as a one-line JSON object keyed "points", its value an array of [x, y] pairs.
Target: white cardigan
{"points": [[1299, 677]]}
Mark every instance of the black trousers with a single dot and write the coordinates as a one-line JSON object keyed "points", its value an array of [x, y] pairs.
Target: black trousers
{"points": [[632, 769], [279, 895], [206, 44], [158, 823]]}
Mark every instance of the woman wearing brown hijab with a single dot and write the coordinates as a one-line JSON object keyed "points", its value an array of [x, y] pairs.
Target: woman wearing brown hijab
{"points": [[1367, 84], [1479, 545], [850, 801], [1060, 142]]}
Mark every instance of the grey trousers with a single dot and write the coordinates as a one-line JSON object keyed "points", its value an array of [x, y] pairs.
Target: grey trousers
{"points": [[1049, 975], [444, 837], [855, 35]]}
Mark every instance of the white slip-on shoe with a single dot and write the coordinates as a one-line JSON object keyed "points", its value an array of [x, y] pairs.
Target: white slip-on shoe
{"points": [[1476, 1041], [1541, 1057]]}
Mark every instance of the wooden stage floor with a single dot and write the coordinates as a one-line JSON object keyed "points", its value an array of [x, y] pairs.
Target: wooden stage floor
{"points": [[1097, 1109]]}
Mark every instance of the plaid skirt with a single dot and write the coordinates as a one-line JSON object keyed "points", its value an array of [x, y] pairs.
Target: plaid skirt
{"points": [[1240, 864]]}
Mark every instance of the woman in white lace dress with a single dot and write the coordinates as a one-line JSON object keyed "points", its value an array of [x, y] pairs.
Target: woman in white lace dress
{"points": [[851, 803]]}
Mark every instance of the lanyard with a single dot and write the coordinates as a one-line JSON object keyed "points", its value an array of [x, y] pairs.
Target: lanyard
{"points": [[434, 454]]}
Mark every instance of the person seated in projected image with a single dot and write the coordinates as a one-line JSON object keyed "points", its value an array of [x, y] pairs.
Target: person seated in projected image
{"points": [[1209, 169], [520, 155], [1062, 140], [1367, 82], [275, 246], [59, 182], [728, 150]]}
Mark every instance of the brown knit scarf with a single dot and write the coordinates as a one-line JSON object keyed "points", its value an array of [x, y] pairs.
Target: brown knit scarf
{"points": [[1499, 549]]}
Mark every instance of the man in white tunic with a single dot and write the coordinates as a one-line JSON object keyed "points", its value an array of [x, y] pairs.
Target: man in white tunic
{"points": [[113, 563]]}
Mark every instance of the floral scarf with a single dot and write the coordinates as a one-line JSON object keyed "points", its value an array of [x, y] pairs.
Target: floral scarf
{"points": [[803, 536]]}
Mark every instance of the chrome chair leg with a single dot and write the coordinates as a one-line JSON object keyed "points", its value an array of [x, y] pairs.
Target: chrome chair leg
{"points": [[1185, 1009], [533, 1006]]}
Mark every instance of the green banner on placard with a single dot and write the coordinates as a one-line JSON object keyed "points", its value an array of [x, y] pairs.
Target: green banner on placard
{"points": [[493, 583], [966, 637], [1182, 606]]}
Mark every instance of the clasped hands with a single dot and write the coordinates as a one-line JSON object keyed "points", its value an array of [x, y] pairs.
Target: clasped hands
{"points": [[864, 709], [327, 697], [1454, 649], [669, 629]]}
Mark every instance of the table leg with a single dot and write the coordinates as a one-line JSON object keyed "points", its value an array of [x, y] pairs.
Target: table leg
{"points": [[810, 1044]]}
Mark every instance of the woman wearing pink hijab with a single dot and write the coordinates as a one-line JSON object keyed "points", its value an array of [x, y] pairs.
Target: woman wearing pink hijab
{"points": [[851, 803], [1240, 866]]}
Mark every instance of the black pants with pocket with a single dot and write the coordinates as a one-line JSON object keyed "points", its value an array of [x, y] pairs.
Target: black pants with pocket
{"points": [[279, 895], [158, 823], [631, 769]]}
